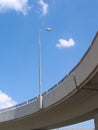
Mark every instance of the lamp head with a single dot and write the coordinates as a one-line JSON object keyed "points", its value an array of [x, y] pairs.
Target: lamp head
{"points": [[48, 29]]}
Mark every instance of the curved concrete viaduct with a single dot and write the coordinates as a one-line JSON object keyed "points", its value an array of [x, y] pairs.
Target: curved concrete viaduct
{"points": [[72, 100]]}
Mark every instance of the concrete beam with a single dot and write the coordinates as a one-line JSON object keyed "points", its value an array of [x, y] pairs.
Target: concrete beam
{"points": [[96, 121]]}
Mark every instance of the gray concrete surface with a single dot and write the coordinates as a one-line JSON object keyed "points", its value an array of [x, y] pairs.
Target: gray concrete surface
{"points": [[72, 100]]}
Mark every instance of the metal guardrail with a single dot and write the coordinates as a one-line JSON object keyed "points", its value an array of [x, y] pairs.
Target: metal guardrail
{"points": [[19, 105], [52, 88]]}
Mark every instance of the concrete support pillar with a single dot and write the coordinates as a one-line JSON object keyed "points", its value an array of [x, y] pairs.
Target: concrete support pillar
{"points": [[96, 121]]}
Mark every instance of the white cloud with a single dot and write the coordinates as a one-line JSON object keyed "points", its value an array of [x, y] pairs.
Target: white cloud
{"points": [[63, 43], [44, 6], [17, 5], [21, 6], [6, 101]]}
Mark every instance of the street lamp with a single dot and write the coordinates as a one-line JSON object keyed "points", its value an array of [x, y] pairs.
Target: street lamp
{"points": [[40, 69]]}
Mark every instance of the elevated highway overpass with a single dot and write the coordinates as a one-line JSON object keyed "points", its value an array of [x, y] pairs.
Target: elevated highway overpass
{"points": [[74, 99]]}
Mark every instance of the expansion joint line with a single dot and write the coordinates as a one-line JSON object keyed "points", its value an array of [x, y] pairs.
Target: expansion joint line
{"points": [[75, 81]]}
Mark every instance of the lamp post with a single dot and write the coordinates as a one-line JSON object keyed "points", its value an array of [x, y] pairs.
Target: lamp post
{"points": [[40, 69]]}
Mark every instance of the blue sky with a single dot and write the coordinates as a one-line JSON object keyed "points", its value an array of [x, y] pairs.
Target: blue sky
{"points": [[74, 25]]}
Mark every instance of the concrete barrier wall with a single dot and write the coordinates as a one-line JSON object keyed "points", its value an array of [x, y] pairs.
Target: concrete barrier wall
{"points": [[59, 92], [88, 64], [19, 112]]}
